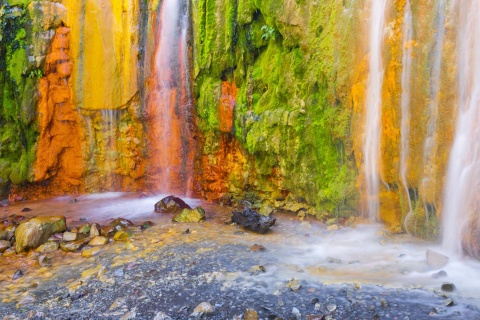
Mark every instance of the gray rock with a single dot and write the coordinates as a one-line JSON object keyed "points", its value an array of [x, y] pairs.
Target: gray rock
{"points": [[436, 260]]}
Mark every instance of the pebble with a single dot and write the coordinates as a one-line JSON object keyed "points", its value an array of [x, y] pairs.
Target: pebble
{"points": [[439, 274], [250, 314], [88, 253], [17, 275], [448, 302], [48, 247], [203, 309], [294, 285], [162, 316], [331, 307], [448, 287], [296, 313]]}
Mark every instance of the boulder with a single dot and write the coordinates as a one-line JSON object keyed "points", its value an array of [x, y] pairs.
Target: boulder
{"points": [[36, 231], [171, 204], [190, 215], [252, 220], [436, 260]]}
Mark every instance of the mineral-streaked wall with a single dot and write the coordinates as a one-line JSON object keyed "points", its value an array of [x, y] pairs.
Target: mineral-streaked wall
{"points": [[280, 99]]}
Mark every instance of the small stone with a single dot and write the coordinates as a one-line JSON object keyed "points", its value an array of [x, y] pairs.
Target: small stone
{"points": [[3, 234], [119, 273], [439, 274], [121, 222], [122, 235], [331, 307], [436, 260], [4, 245], [43, 261], [296, 313], [334, 260], [257, 269], [108, 231], [72, 246], [250, 314], [257, 247], [384, 303], [318, 307], [162, 316], [26, 210], [448, 287], [188, 215], [119, 302], [95, 230], [203, 309], [85, 229], [333, 227], [331, 222], [448, 302], [9, 252], [147, 224], [70, 236], [88, 253], [294, 285], [17, 275], [48, 247], [98, 241]]}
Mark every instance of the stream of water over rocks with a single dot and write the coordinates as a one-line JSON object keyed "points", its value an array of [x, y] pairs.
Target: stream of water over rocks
{"points": [[299, 270]]}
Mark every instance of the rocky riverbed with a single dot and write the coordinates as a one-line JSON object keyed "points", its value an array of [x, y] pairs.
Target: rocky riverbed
{"points": [[216, 270]]}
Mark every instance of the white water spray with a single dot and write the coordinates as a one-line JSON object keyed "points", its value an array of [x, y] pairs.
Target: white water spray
{"points": [[372, 132], [462, 193], [405, 99]]}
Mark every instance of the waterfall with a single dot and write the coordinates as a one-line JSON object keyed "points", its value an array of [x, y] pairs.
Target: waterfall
{"points": [[373, 105], [405, 99], [461, 205], [170, 102]]}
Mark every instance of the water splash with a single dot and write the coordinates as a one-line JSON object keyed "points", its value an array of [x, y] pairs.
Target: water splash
{"points": [[372, 132], [461, 208], [405, 99], [171, 103]]}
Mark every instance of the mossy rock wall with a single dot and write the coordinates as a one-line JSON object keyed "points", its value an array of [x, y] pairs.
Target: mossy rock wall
{"points": [[290, 61]]}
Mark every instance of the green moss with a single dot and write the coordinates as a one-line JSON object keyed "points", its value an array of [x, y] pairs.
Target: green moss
{"points": [[423, 222]]}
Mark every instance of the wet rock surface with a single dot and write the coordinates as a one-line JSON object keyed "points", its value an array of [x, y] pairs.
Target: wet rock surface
{"points": [[252, 220], [171, 204], [166, 273]]}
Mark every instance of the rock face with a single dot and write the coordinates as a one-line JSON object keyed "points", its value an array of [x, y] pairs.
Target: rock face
{"points": [[36, 231], [436, 260], [252, 220], [171, 204], [190, 215]]}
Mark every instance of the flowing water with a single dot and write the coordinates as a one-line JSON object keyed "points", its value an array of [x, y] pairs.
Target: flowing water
{"points": [[171, 103], [372, 132], [405, 99], [461, 205]]}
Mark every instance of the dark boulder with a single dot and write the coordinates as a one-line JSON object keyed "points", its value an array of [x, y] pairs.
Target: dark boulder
{"points": [[171, 204], [252, 220]]}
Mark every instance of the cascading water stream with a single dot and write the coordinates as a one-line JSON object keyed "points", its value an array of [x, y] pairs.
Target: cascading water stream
{"points": [[461, 211], [170, 103], [405, 99], [373, 105]]}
